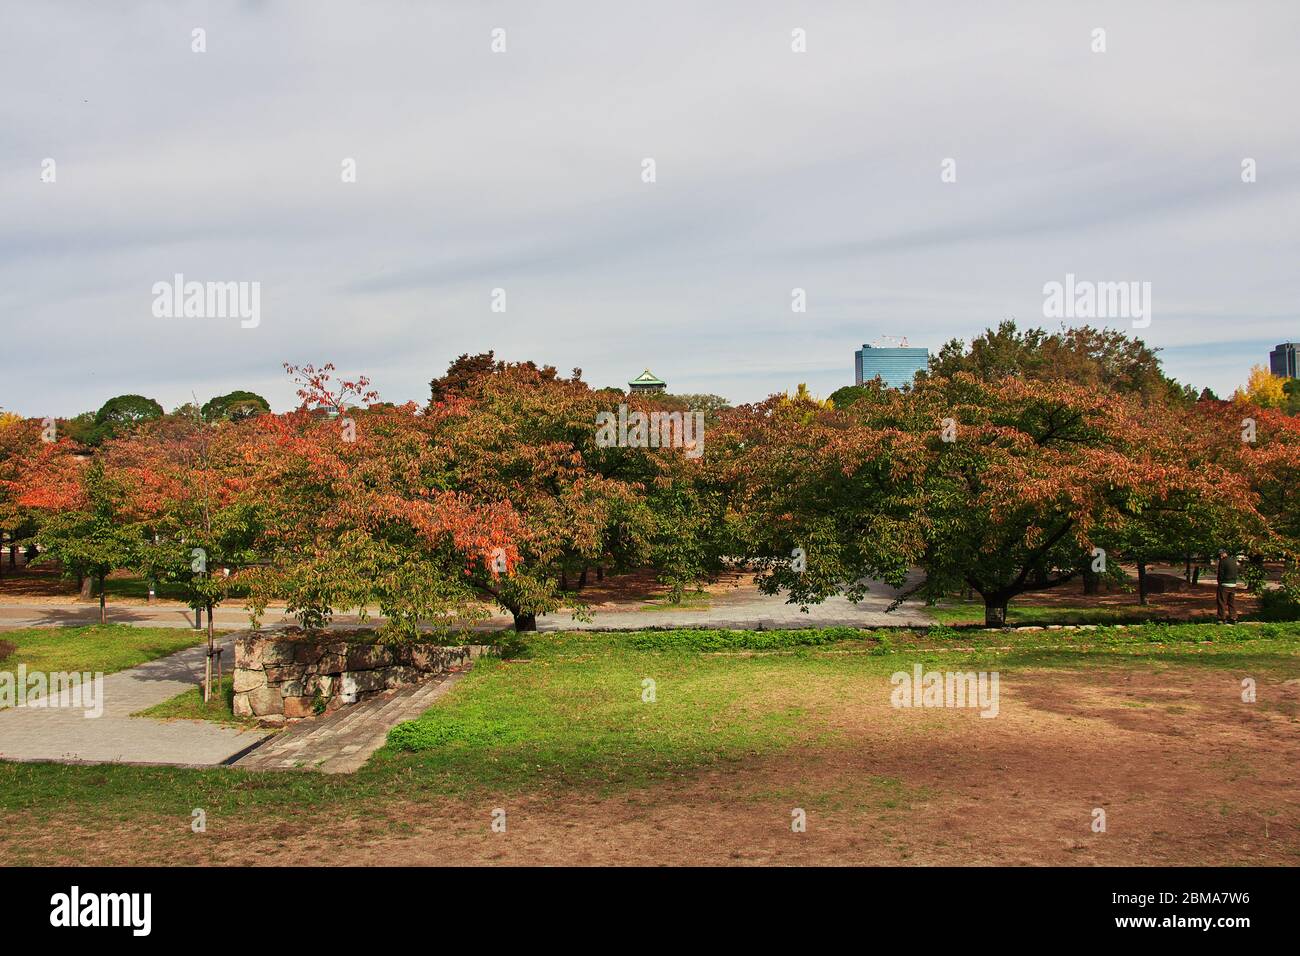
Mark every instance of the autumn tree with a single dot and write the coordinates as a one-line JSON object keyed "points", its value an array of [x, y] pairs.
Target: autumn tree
{"points": [[1263, 389], [20, 441], [519, 435], [1001, 487], [82, 527], [183, 484], [357, 513]]}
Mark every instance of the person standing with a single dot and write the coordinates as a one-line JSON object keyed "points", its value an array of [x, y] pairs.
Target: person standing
{"points": [[1225, 596]]}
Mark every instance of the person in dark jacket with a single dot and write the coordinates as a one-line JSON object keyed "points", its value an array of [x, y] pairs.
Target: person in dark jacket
{"points": [[1225, 596]]}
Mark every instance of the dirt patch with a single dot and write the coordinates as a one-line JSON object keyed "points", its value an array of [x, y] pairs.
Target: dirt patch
{"points": [[1193, 602], [1185, 771]]}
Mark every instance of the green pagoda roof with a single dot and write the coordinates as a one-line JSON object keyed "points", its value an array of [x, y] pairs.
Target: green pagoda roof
{"points": [[647, 378]]}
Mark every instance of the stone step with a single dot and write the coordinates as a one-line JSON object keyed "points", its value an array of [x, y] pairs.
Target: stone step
{"points": [[343, 741]]}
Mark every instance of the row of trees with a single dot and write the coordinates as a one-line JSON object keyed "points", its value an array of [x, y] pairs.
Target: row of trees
{"points": [[999, 472], [123, 413]]}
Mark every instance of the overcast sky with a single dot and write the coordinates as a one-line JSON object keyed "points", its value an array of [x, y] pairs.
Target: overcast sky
{"points": [[522, 170]]}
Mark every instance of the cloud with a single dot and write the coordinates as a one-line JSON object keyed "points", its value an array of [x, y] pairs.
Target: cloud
{"points": [[522, 171]]}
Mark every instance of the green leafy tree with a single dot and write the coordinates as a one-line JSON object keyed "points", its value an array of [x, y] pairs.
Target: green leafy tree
{"points": [[234, 406], [120, 414], [1100, 358]]}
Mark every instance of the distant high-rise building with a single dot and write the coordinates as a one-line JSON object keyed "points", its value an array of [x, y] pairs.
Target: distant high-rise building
{"points": [[896, 367], [1282, 360]]}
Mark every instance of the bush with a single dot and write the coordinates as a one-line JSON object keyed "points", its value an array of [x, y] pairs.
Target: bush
{"points": [[715, 640], [942, 632], [1278, 605]]}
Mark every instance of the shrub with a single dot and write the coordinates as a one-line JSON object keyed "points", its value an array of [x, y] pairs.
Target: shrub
{"points": [[717, 640], [1278, 605], [942, 632]]}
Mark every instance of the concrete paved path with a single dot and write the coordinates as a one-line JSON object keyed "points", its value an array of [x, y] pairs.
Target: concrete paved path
{"points": [[47, 614], [746, 609], [64, 733], [741, 608], [343, 741]]}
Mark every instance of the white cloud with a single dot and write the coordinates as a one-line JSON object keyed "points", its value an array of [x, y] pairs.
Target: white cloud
{"points": [[776, 170]]}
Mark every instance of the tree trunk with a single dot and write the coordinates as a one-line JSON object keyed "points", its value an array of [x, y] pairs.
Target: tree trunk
{"points": [[582, 579], [564, 580], [995, 612], [1142, 582], [85, 587], [207, 671], [102, 618], [1187, 568], [1091, 579], [524, 622], [600, 572]]}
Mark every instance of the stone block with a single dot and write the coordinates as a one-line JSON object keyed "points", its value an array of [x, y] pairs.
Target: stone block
{"points": [[265, 700], [241, 707], [323, 685], [246, 680], [248, 653], [364, 657], [306, 653], [296, 708], [399, 675], [363, 681], [332, 663], [278, 652]]}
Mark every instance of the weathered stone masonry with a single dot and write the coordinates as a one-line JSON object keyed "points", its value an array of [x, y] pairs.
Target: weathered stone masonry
{"points": [[278, 677]]}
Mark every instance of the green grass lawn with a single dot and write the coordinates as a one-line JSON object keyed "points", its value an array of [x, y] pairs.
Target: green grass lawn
{"points": [[571, 714], [139, 588], [98, 647], [972, 612], [190, 706]]}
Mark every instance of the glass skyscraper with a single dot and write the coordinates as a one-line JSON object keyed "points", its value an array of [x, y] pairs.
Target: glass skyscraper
{"points": [[895, 366]]}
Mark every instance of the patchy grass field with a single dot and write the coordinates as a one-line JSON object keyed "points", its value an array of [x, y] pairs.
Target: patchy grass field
{"points": [[679, 747], [98, 647]]}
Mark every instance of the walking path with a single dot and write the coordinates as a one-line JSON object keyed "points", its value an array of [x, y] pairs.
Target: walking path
{"points": [[65, 733], [738, 608], [343, 741], [68, 613]]}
